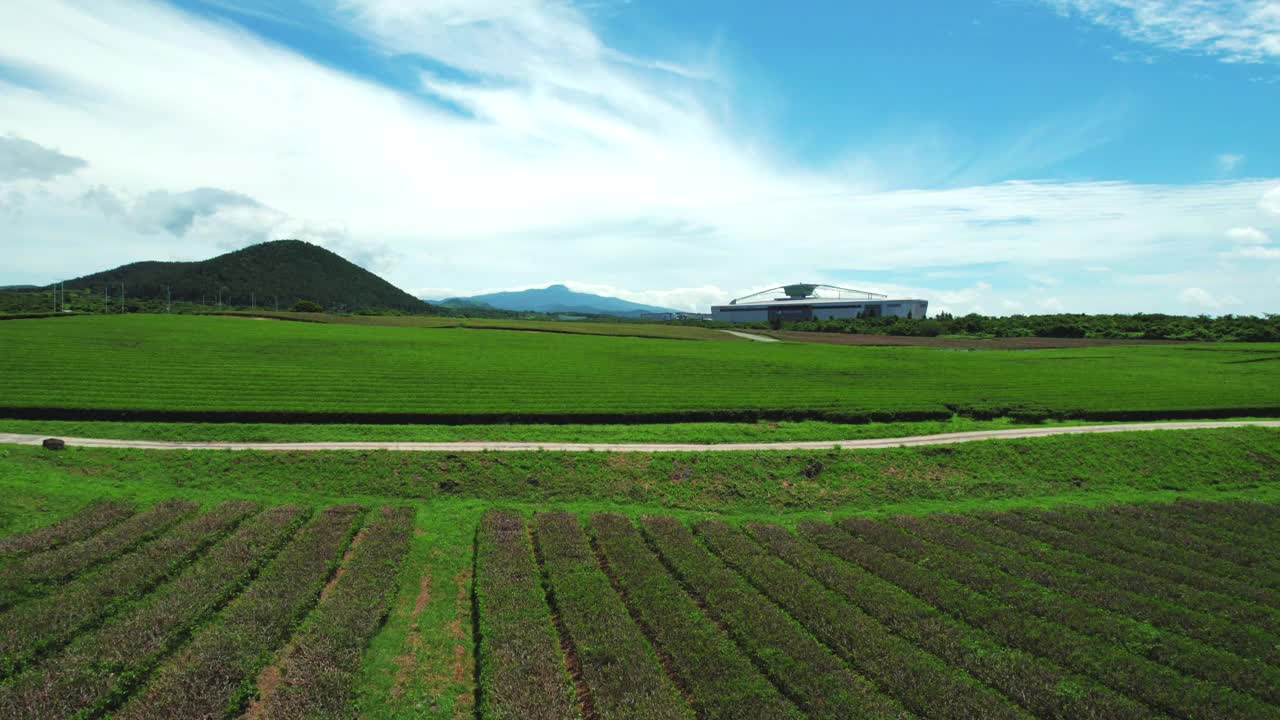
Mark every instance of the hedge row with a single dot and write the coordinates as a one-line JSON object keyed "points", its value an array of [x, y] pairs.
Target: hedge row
{"points": [[99, 668], [1206, 616], [719, 680], [618, 666], [1201, 538], [1041, 686], [27, 576], [806, 670], [318, 675], [93, 518], [50, 620], [522, 670], [1159, 685], [1162, 576], [1135, 537], [920, 680], [1229, 542], [213, 676], [1121, 626]]}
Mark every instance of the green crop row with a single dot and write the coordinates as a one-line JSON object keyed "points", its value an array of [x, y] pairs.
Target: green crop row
{"points": [[1042, 687], [214, 674], [806, 670], [720, 682], [102, 666], [186, 366], [921, 681], [618, 666], [522, 672], [1155, 635], [32, 574], [1125, 646], [48, 621], [1211, 617], [319, 672], [1241, 600], [94, 517], [1203, 537]]}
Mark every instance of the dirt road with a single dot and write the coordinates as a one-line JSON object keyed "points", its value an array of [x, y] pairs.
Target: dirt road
{"points": [[491, 446]]}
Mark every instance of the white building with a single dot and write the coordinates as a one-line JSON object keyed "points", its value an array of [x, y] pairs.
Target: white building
{"points": [[816, 302]]}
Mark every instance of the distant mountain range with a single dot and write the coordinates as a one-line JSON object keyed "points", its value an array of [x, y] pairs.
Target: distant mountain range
{"points": [[280, 273], [556, 299]]}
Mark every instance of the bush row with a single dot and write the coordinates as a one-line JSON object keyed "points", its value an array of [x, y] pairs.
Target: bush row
{"points": [[920, 680], [1253, 523], [617, 664], [318, 675], [100, 667], [213, 675], [1205, 535], [1101, 661], [1080, 610], [48, 621], [806, 670], [91, 519], [522, 670], [1127, 644], [1160, 573], [1136, 537], [719, 680], [1044, 688], [29, 575], [1217, 619]]}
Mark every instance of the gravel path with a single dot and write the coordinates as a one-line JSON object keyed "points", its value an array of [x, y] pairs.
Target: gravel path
{"points": [[478, 446], [750, 336]]}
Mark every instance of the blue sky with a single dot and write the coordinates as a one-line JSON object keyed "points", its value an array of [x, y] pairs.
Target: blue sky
{"points": [[1000, 156]]}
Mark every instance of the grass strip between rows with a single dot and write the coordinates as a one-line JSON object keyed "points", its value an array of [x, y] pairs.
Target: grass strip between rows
{"points": [[1041, 686], [50, 620], [318, 674], [1156, 636], [719, 680], [93, 518], [1161, 576], [213, 676], [617, 663], [522, 671], [1160, 685], [33, 574], [802, 667], [96, 670], [920, 680]]}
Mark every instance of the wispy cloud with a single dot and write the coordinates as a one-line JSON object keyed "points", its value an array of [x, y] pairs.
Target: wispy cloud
{"points": [[1232, 30], [1228, 163], [21, 159]]}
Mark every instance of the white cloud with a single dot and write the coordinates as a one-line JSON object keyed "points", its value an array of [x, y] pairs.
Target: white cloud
{"points": [[1199, 297], [557, 157], [1258, 253], [1233, 30], [1248, 236], [21, 159], [1229, 162]]}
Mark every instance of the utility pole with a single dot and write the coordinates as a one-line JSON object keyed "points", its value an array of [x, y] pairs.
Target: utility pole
{"points": [[122, 297], [104, 297], [253, 301], [168, 298]]}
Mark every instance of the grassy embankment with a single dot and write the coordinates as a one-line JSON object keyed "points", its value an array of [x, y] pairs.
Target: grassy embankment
{"points": [[236, 370]]}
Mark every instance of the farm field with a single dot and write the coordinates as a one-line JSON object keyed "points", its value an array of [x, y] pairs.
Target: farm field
{"points": [[196, 368], [569, 327], [286, 603]]}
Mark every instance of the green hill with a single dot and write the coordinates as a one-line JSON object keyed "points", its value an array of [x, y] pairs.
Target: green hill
{"points": [[271, 274]]}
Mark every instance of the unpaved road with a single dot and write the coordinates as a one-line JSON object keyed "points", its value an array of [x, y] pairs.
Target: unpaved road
{"points": [[491, 446], [750, 336]]}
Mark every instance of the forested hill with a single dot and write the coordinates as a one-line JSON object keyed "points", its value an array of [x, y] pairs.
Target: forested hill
{"points": [[279, 272]]}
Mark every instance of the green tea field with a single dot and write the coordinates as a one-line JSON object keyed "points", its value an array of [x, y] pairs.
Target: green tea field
{"points": [[285, 611], [200, 368]]}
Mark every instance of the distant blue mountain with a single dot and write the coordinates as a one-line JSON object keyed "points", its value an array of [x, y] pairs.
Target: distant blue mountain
{"points": [[557, 299]]}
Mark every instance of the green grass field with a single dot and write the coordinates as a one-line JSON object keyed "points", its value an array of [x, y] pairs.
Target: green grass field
{"points": [[209, 364], [998, 608]]}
